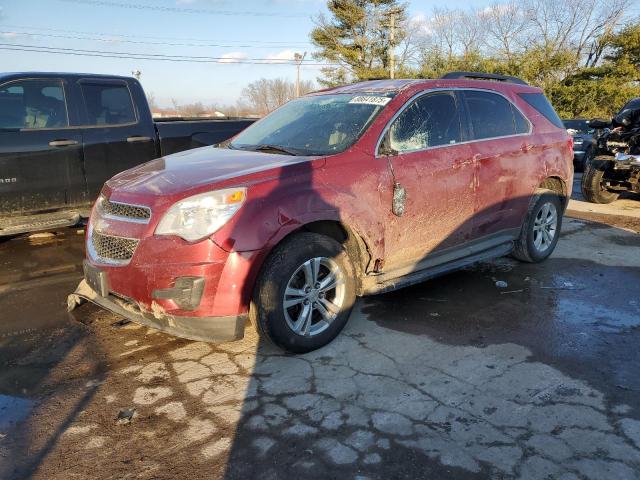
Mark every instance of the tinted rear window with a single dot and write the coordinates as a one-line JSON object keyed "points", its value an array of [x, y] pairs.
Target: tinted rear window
{"points": [[492, 115], [542, 105], [108, 104]]}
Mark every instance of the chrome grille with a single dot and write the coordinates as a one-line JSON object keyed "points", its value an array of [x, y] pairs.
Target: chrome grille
{"points": [[125, 210], [113, 248]]}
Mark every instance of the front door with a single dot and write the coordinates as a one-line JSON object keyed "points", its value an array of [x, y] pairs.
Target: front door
{"points": [[114, 137], [40, 155], [437, 171]]}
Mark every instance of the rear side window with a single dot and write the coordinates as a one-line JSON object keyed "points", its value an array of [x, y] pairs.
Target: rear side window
{"points": [[492, 115], [522, 125], [108, 104], [542, 105], [431, 120], [33, 104]]}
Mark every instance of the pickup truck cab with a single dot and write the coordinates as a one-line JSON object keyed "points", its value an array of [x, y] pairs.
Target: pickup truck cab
{"points": [[63, 135], [350, 191]]}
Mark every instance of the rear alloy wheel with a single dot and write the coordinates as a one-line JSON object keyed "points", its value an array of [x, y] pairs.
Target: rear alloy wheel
{"points": [[304, 293], [541, 228], [545, 227]]}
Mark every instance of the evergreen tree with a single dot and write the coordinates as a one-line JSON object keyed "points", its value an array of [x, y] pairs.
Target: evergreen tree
{"points": [[356, 39]]}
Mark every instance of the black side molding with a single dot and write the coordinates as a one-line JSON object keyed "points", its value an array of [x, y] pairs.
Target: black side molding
{"points": [[483, 76]]}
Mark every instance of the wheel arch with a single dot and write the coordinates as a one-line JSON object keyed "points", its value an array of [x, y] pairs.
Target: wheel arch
{"points": [[353, 243], [557, 185]]}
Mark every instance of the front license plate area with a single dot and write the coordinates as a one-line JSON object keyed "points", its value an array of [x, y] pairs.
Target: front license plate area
{"points": [[96, 279]]}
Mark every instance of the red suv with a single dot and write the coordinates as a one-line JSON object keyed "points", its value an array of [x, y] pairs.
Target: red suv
{"points": [[344, 192]]}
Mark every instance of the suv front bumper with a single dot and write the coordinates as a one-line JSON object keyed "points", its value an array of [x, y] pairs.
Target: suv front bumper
{"points": [[207, 329]]}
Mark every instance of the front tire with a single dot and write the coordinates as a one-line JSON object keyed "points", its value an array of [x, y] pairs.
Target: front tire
{"points": [[593, 186], [304, 293], [541, 228]]}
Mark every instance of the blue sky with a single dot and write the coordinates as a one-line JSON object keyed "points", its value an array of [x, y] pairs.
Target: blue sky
{"points": [[249, 29]]}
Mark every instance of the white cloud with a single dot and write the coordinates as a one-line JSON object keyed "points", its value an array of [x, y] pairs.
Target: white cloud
{"points": [[287, 54], [9, 35], [232, 57]]}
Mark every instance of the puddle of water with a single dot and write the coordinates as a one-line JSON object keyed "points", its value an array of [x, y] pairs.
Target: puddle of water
{"points": [[13, 410]]}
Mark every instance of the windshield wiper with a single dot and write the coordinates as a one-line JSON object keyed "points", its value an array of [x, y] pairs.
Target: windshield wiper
{"points": [[265, 147]]}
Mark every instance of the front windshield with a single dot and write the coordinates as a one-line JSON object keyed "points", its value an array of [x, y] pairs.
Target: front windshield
{"points": [[580, 126], [314, 125]]}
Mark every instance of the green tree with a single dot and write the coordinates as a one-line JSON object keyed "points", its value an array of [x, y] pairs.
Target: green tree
{"points": [[600, 91], [625, 47], [356, 39]]}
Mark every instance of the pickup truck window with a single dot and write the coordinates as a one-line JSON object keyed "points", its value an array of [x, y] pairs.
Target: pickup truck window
{"points": [[108, 104], [429, 121], [314, 125], [33, 104]]}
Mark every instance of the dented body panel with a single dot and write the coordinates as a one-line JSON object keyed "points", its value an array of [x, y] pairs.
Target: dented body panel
{"points": [[458, 196]]}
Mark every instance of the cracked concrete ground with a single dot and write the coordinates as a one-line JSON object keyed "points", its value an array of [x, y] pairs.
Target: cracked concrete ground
{"points": [[451, 379]]}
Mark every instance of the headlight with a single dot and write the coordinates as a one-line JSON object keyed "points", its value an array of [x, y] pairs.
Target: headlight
{"points": [[197, 217]]}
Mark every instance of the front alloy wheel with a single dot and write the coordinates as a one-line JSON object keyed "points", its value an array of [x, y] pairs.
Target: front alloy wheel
{"points": [[304, 293], [314, 296]]}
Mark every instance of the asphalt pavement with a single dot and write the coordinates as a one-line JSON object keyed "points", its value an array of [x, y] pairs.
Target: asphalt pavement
{"points": [[455, 378]]}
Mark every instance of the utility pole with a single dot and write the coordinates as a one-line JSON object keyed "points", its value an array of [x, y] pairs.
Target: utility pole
{"points": [[298, 58], [392, 39]]}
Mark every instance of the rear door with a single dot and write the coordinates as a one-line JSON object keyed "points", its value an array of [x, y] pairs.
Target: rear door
{"points": [[40, 154], [436, 169], [115, 136], [505, 158]]}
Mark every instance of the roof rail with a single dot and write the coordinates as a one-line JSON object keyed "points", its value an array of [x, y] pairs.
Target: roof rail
{"points": [[484, 76]]}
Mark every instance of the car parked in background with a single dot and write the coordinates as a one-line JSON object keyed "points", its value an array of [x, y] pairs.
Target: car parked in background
{"points": [[349, 191], [63, 135], [584, 143]]}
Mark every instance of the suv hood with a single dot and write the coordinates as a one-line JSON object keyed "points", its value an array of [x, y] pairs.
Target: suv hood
{"points": [[188, 170]]}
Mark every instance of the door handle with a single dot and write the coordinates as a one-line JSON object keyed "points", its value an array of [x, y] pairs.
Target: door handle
{"points": [[463, 162], [62, 143], [136, 138], [526, 147]]}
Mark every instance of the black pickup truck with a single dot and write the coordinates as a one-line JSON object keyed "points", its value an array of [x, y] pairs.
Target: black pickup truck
{"points": [[63, 135]]}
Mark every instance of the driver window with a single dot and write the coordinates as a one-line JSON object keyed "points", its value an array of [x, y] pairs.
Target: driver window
{"points": [[429, 121], [33, 104]]}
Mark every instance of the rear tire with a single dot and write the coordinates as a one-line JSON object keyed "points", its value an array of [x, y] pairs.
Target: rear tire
{"points": [[297, 304], [541, 228], [593, 187]]}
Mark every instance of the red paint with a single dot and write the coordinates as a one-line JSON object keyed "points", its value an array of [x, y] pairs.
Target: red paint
{"points": [[455, 193]]}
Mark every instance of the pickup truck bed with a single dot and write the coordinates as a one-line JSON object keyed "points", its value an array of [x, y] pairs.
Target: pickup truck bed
{"points": [[177, 135], [63, 135]]}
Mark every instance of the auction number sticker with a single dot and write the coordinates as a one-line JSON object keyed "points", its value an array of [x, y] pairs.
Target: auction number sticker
{"points": [[370, 100]]}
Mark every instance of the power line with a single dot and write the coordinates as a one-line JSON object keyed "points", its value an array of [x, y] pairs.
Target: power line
{"points": [[153, 55], [112, 36], [200, 11], [142, 56], [137, 42]]}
